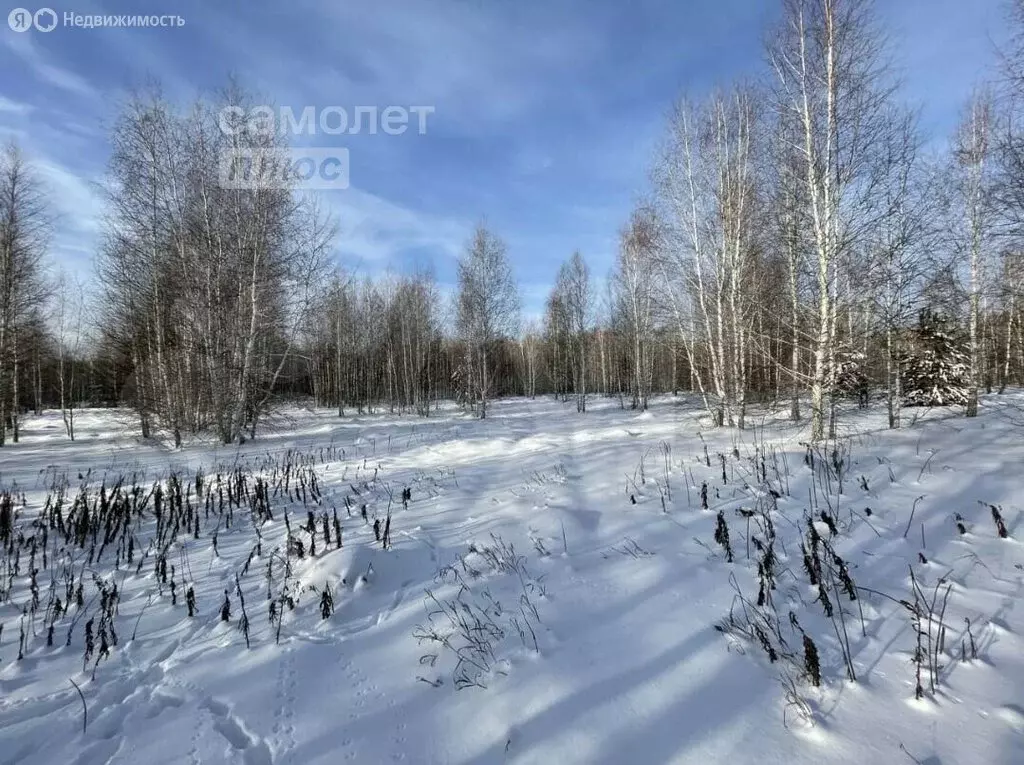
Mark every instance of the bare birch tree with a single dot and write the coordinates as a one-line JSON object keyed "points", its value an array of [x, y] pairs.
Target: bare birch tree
{"points": [[972, 218], [708, 180], [570, 310], [635, 295], [487, 308], [833, 80], [70, 310], [24, 227], [899, 255]]}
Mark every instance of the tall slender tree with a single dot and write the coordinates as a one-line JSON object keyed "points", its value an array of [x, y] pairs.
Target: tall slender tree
{"points": [[832, 78], [487, 308], [972, 219], [24, 229]]}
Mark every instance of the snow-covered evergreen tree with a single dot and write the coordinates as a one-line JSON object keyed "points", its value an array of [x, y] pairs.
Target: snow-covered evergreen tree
{"points": [[937, 368], [851, 375]]}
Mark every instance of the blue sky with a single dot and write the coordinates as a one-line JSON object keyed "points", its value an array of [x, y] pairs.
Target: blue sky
{"points": [[546, 111]]}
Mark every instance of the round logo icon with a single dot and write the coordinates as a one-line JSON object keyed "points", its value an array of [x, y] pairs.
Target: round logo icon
{"points": [[20, 20], [45, 19]]}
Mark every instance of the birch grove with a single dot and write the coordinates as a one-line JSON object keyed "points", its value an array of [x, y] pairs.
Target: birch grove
{"points": [[709, 181], [208, 285], [797, 250]]}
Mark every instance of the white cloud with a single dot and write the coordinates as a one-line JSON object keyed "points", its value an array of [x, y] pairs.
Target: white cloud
{"points": [[76, 197], [476, 63], [13, 107], [23, 47], [374, 231]]}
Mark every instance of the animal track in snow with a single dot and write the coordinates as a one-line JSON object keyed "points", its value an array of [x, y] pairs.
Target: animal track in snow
{"points": [[284, 711], [253, 749]]}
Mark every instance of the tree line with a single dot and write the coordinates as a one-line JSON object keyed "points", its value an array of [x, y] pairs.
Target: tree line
{"points": [[797, 245]]}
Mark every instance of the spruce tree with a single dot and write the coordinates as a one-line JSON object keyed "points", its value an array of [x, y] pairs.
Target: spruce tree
{"points": [[936, 368], [851, 376]]}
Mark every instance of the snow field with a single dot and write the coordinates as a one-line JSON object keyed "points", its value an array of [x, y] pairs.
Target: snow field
{"points": [[554, 592]]}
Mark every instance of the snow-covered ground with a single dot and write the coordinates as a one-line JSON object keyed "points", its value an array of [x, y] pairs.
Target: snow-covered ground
{"points": [[560, 566]]}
